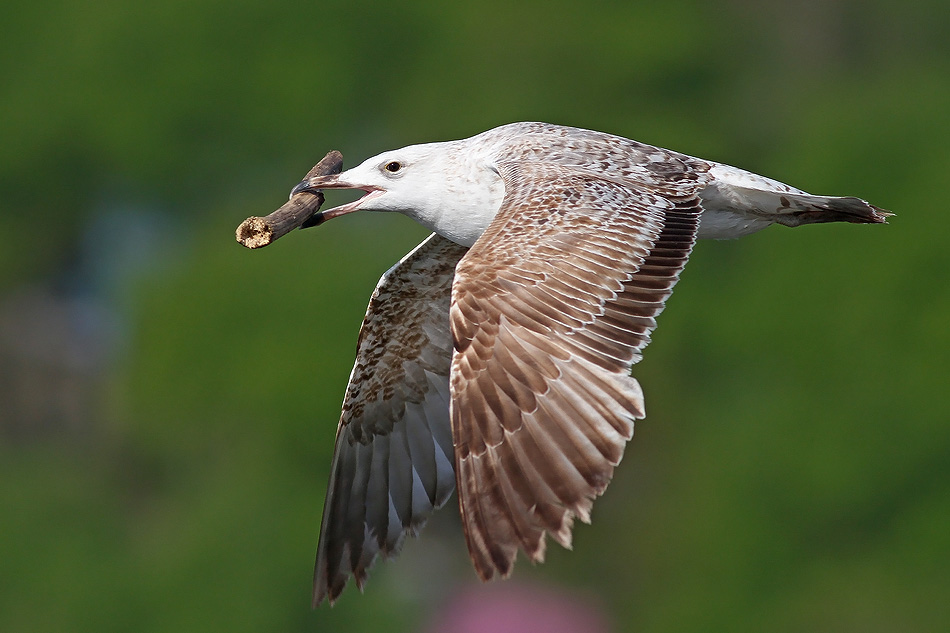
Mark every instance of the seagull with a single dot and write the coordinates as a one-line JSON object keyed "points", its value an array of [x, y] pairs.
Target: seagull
{"points": [[495, 358]]}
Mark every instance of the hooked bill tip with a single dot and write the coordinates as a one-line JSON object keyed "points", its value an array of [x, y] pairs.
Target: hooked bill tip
{"points": [[301, 187]]}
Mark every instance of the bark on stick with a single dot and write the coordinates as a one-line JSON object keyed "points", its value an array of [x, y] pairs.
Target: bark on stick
{"points": [[256, 232]]}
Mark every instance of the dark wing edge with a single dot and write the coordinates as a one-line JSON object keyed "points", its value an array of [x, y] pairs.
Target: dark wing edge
{"points": [[393, 462], [547, 324]]}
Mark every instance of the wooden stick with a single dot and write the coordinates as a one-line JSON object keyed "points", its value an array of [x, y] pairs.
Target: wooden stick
{"points": [[256, 232]]}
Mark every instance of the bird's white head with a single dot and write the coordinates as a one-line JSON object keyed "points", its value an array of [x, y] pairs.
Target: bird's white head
{"points": [[443, 186]]}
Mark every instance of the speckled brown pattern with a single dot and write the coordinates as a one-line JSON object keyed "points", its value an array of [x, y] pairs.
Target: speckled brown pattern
{"points": [[392, 465]]}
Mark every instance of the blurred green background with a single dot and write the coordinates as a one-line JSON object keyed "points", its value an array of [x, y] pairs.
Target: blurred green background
{"points": [[168, 400]]}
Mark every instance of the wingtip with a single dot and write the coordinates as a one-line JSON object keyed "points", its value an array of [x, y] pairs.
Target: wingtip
{"points": [[325, 587], [326, 594], [318, 598]]}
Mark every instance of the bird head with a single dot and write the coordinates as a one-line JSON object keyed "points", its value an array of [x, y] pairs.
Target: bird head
{"points": [[437, 185], [398, 180]]}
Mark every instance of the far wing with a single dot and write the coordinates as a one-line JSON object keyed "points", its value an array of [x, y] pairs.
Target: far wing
{"points": [[393, 462], [550, 309]]}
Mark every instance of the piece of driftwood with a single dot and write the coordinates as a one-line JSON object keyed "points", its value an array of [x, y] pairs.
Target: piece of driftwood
{"points": [[256, 232]]}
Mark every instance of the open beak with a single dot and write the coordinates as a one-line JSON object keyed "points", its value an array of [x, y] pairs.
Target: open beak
{"points": [[333, 181]]}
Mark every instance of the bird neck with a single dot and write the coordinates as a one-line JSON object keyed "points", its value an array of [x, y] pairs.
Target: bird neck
{"points": [[462, 203]]}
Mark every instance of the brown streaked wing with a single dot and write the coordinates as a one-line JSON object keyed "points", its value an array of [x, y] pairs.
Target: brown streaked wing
{"points": [[393, 462], [550, 309]]}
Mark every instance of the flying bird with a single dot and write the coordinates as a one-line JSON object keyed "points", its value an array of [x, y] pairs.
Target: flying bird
{"points": [[495, 358]]}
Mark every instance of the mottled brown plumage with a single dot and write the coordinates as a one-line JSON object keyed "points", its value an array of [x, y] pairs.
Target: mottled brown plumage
{"points": [[393, 460]]}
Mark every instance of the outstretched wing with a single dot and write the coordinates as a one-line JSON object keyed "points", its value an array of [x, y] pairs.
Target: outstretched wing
{"points": [[550, 309], [393, 460]]}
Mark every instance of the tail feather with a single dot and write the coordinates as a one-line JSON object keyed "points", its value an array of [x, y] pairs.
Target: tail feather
{"points": [[796, 209], [737, 202]]}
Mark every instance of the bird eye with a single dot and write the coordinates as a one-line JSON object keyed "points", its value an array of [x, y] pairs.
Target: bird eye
{"points": [[393, 167]]}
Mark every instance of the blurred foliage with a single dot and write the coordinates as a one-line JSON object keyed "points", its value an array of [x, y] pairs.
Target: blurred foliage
{"points": [[794, 471]]}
